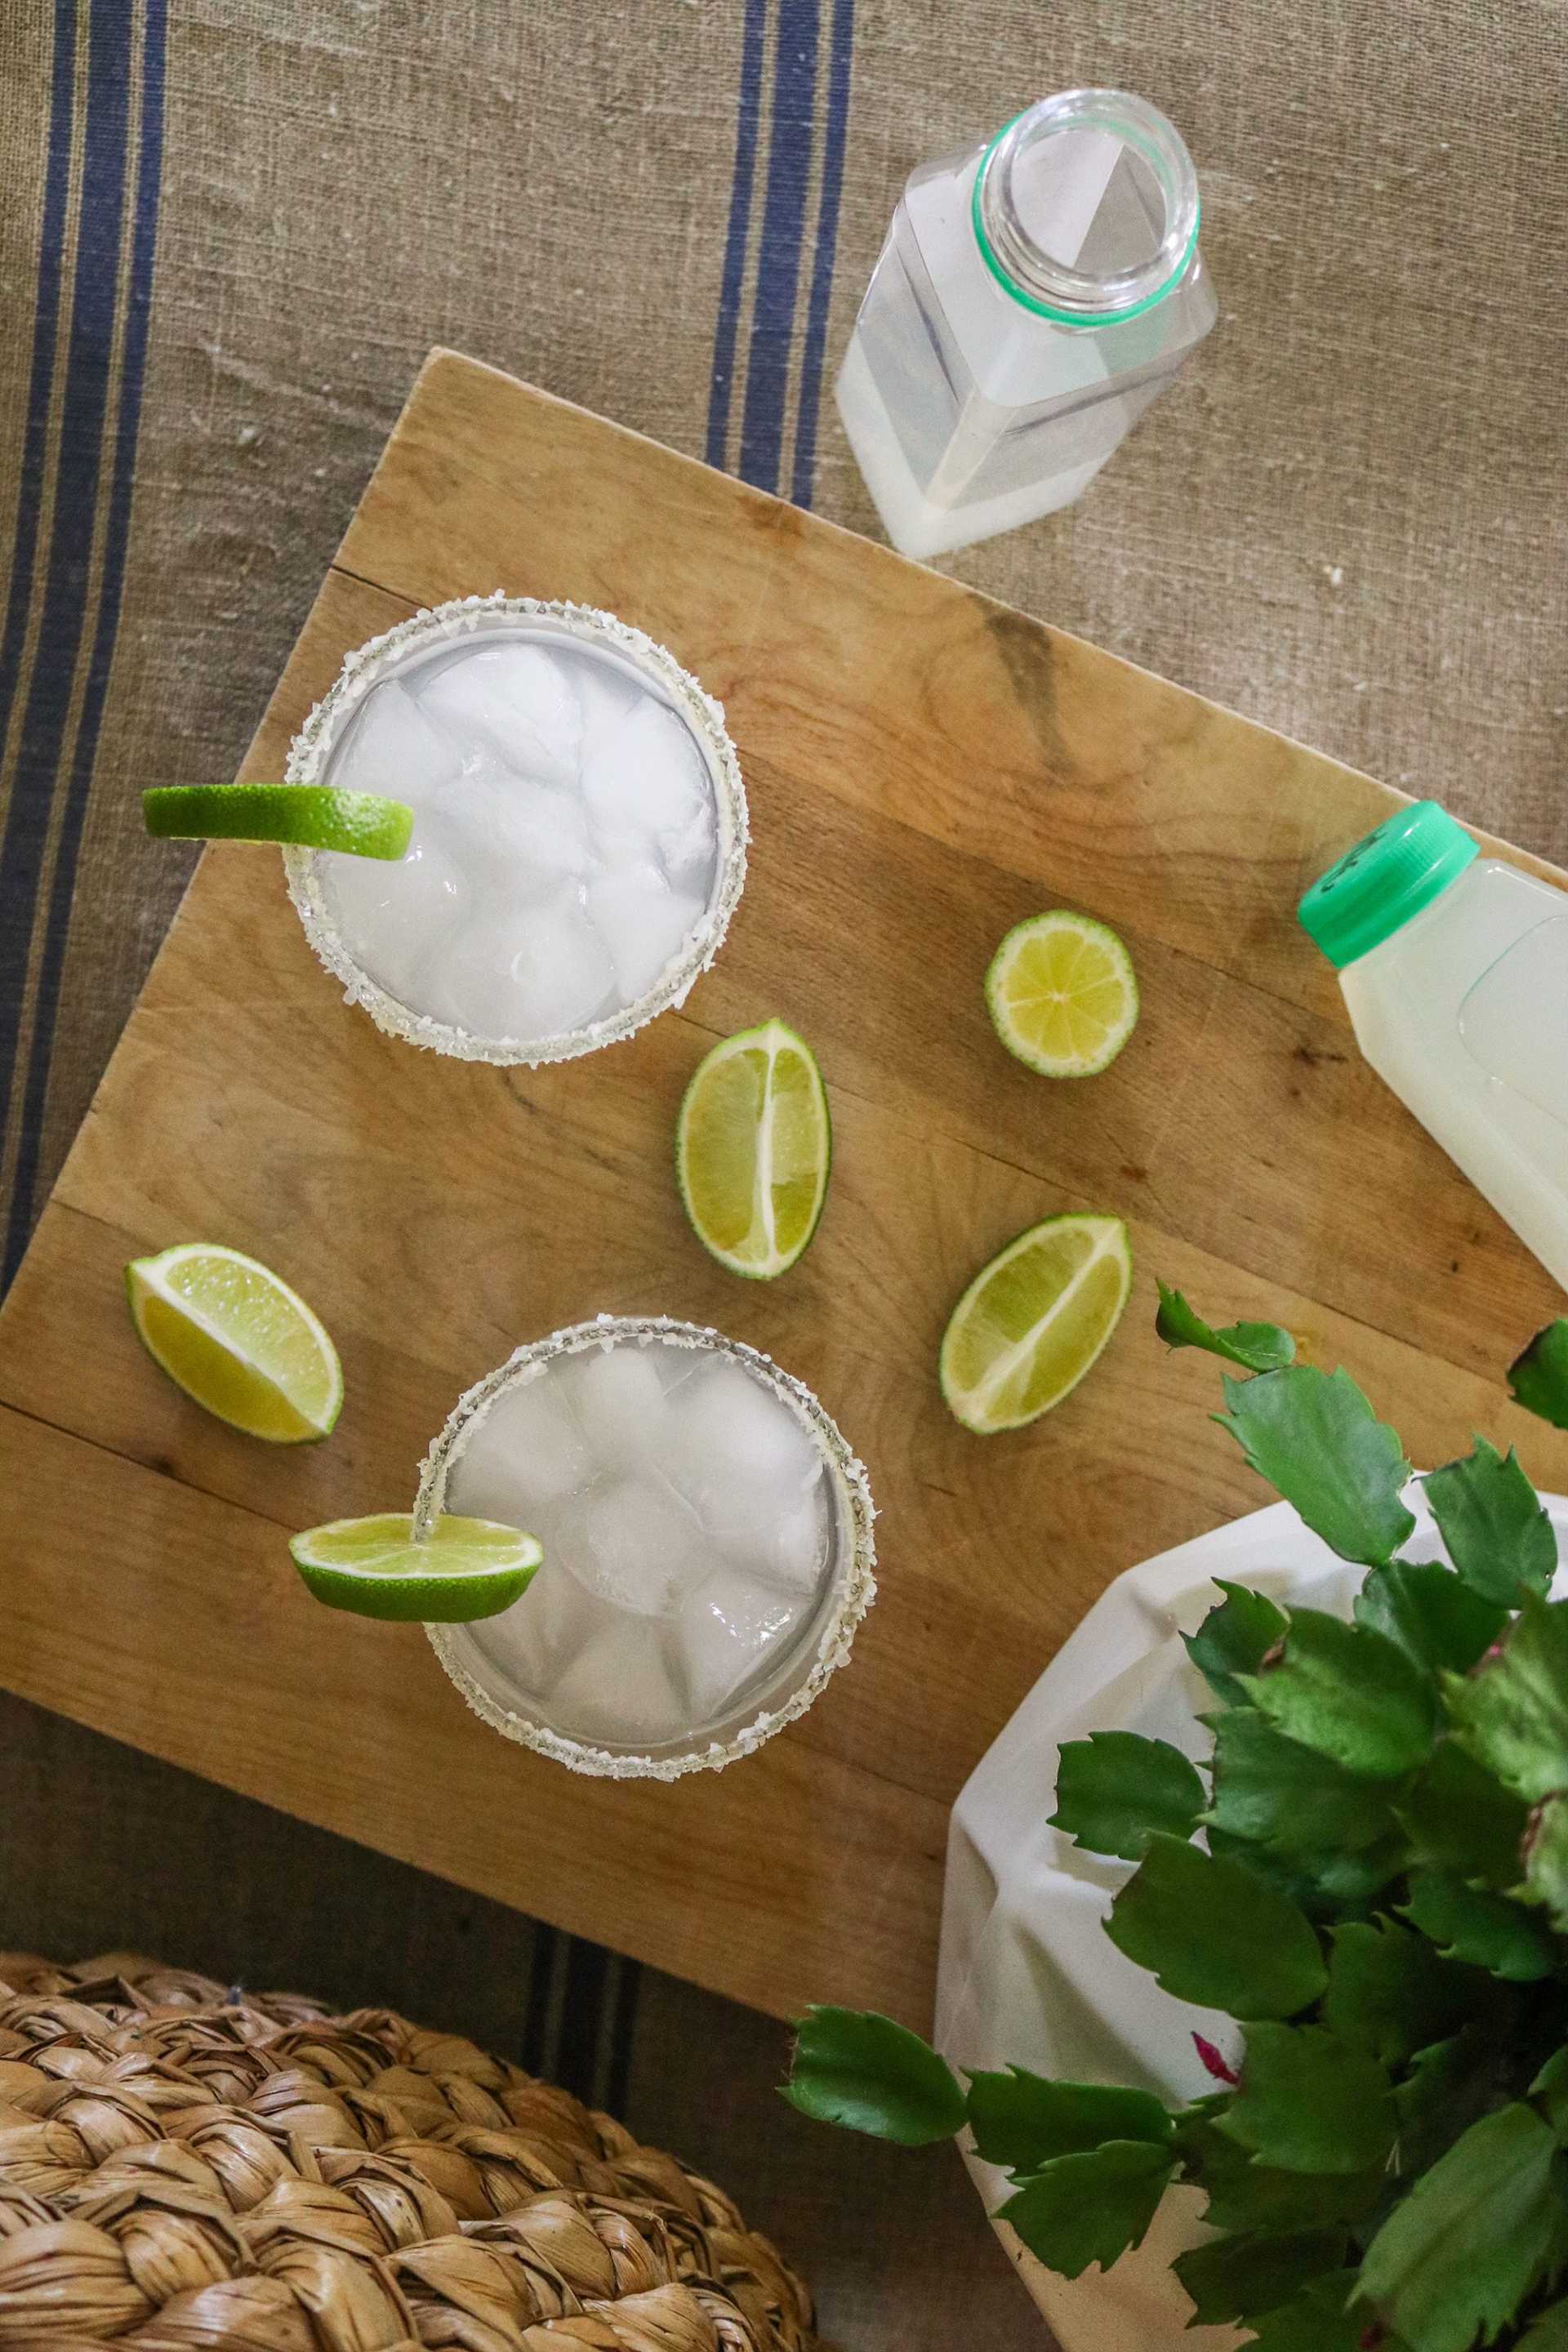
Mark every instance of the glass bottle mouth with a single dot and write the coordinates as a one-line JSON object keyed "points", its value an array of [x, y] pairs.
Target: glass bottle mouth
{"points": [[1044, 229]]}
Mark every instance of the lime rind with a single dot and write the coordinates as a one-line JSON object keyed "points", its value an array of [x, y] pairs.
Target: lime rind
{"points": [[307, 816], [377, 1567], [147, 1278], [1083, 926], [771, 1036], [967, 1405]]}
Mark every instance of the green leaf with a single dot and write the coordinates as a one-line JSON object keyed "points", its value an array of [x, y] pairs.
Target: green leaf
{"points": [[1234, 1638], [1513, 1711], [1546, 1858], [1425, 1609], [1538, 1378], [1549, 2333], [1022, 2121], [1457, 2257], [1273, 1789], [1311, 2103], [1212, 1932], [1236, 2277], [1459, 1818], [1255, 1346], [1091, 2207], [1349, 1694], [1471, 1923], [1316, 1439], [1323, 1885], [1317, 2320], [1490, 1519], [1550, 2087], [1449, 2087], [1389, 1993], [859, 2069], [1114, 1790], [1258, 2199]]}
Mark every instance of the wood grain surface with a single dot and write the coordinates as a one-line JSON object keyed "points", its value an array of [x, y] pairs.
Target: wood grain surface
{"points": [[924, 767]]}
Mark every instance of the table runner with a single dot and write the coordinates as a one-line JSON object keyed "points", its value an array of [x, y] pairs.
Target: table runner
{"points": [[232, 228]]}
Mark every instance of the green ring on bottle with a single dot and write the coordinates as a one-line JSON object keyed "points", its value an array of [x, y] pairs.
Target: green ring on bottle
{"points": [[1060, 318]]}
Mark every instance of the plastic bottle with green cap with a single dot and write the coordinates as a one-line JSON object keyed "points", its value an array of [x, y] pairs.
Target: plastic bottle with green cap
{"points": [[1037, 291], [1455, 970]]}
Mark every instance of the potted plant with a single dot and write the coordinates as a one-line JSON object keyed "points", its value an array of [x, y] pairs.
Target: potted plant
{"points": [[1357, 1880]]}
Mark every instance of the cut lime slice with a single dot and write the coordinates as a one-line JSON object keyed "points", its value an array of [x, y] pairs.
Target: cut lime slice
{"points": [[312, 816], [463, 1569], [238, 1340], [1032, 1322], [753, 1145], [1062, 995]]}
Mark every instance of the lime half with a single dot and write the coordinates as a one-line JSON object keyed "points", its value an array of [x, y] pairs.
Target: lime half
{"points": [[312, 816], [1032, 1322], [1062, 995], [234, 1336], [753, 1146], [463, 1569]]}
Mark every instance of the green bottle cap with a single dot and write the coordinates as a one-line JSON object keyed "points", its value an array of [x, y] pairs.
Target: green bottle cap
{"points": [[1390, 875]]}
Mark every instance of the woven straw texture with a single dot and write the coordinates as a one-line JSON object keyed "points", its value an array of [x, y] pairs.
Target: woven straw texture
{"points": [[181, 2169]]}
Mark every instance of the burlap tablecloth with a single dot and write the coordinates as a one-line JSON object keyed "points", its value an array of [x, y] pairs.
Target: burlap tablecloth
{"points": [[229, 229]]}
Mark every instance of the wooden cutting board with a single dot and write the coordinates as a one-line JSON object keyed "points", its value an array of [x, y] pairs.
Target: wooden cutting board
{"points": [[925, 767]]}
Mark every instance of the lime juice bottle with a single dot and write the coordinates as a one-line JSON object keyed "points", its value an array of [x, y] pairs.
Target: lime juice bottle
{"points": [[1455, 971]]}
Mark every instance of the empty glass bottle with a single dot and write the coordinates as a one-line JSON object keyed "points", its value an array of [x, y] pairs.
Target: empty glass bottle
{"points": [[1033, 297]]}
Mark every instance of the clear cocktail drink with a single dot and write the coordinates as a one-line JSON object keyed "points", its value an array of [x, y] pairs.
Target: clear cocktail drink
{"points": [[579, 830], [707, 1541]]}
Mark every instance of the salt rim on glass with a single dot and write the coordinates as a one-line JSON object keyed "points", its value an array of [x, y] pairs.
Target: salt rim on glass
{"points": [[310, 753], [851, 1588]]}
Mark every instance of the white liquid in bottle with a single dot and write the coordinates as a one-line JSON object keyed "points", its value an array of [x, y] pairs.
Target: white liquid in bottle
{"points": [[1455, 971], [1032, 298]]}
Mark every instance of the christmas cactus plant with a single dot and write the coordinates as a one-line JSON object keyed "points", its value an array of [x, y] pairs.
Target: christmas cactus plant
{"points": [[1369, 1872]]}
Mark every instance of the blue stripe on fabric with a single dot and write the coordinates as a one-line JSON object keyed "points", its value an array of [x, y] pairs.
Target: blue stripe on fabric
{"points": [[103, 204], [133, 370], [840, 66], [46, 322], [748, 113], [784, 227]]}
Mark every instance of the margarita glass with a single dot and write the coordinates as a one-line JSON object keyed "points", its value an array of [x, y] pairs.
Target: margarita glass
{"points": [[708, 1547], [579, 830]]}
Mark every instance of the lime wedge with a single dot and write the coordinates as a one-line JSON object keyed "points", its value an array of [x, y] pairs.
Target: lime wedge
{"points": [[753, 1145], [238, 1340], [1032, 1322], [313, 816], [463, 1569], [1062, 995]]}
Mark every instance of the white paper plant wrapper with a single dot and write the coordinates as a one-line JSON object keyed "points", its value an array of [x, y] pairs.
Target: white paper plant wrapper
{"points": [[1027, 1973]]}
